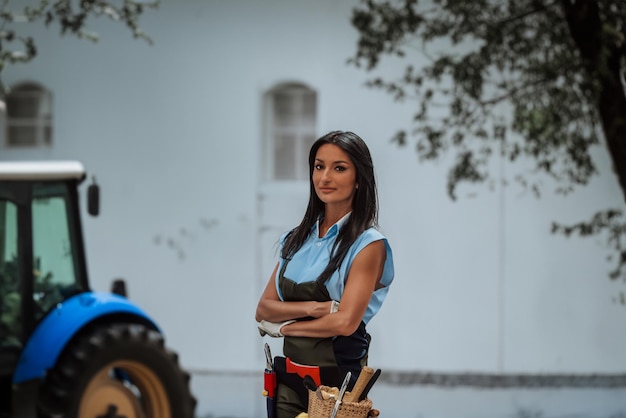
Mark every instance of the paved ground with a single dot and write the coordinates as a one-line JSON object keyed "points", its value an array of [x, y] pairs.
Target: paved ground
{"points": [[238, 395]]}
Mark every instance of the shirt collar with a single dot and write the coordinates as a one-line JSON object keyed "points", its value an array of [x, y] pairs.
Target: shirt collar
{"points": [[334, 229]]}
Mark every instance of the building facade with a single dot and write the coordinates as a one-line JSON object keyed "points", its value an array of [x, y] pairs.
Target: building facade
{"points": [[199, 143]]}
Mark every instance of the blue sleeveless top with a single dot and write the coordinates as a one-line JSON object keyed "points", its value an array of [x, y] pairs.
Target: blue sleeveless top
{"points": [[311, 260]]}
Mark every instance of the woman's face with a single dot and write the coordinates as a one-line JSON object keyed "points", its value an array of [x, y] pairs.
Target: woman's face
{"points": [[334, 177]]}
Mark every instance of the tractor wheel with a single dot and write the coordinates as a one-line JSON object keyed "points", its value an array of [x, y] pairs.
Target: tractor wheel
{"points": [[117, 370]]}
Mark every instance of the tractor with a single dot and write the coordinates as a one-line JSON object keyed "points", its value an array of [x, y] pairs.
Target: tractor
{"points": [[67, 351]]}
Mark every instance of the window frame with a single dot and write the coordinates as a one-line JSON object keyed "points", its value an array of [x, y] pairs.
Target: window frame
{"points": [[41, 123], [300, 126]]}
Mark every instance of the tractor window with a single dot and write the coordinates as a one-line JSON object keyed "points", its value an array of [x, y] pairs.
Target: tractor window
{"points": [[54, 258], [10, 306]]}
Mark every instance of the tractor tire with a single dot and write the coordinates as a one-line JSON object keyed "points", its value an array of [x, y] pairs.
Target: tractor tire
{"points": [[117, 370]]}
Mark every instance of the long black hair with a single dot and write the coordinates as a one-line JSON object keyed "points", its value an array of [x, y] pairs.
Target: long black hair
{"points": [[364, 204]]}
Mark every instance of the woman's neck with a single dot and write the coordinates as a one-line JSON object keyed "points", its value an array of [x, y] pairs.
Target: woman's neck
{"points": [[331, 217]]}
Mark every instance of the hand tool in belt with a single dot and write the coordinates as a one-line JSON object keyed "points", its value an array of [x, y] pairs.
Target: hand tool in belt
{"points": [[284, 364], [369, 385], [344, 385], [269, 383], [290, 373], [364, 377]]}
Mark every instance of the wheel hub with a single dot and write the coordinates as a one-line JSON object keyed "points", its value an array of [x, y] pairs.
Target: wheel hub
{"points": [[124, 389]]}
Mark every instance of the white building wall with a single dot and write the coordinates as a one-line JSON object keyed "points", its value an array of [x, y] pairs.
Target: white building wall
{"points": [[173, 134]]}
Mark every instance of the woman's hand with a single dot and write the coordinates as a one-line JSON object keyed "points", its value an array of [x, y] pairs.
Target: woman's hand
{"points": [[272, 328], [324, 308]]}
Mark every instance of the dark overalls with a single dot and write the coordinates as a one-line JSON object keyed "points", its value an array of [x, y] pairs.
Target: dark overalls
{"points": [[335, 356]]}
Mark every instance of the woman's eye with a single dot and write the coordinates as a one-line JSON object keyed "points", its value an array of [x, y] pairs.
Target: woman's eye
{"points": [[318, 166], [340, 168]]}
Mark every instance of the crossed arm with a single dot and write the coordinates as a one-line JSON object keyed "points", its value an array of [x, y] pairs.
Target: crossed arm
{"points": [[364, 274]]}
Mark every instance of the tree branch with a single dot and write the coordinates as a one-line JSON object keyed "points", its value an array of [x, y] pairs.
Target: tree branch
{"points": [[524, 15], [602, 61]]}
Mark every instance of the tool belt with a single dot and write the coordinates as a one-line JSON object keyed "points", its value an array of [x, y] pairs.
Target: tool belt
{"points": [[291, 374]]}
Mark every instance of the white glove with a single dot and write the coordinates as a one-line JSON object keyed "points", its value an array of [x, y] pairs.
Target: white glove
{"points": [[334, 306], [273, 328]]}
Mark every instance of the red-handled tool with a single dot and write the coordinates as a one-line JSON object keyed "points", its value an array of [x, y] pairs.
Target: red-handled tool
{"points": [[303, 370], [269, 383]]}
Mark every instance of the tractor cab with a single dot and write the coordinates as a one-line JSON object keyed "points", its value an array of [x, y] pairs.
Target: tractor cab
{"points": [[41, 250], [66, 350]]}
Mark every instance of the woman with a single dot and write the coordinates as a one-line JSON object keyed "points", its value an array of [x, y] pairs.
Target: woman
{"points": [[334, 270]]}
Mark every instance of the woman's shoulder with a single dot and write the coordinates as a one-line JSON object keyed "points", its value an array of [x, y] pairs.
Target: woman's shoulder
{"points": [[372, 233], [368, 236], [283, 237]]}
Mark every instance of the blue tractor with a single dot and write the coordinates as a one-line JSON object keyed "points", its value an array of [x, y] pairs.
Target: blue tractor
{"points": [[66, 351]]}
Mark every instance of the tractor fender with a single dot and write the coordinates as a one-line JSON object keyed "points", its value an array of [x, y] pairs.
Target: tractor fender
{"points": [[62, 323]]}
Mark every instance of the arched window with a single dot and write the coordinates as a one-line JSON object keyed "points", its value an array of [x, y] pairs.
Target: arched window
{"points": [[29, 116], [291, 110]]}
